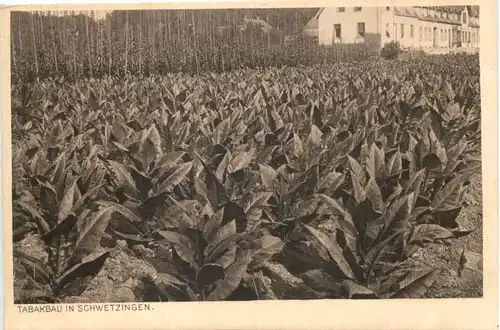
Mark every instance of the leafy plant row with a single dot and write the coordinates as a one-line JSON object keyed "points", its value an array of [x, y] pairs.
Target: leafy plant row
{"points": [[339, 174]]}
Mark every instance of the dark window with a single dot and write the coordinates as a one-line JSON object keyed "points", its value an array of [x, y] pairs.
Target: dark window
{"points": [[357, 9], [411, 31], [341, 9], [387, 8], [465, 18], [361, 29], [402, 30], [338, 31]]}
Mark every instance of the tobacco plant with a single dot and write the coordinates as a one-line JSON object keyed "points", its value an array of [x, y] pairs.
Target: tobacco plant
{"points": [[210, 258], [339, 174], [69, 230]]}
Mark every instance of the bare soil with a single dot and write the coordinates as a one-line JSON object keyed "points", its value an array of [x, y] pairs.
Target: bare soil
{"points": [[452, 283]]}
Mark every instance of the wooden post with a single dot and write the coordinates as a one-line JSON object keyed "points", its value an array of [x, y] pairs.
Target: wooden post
{"points": [[140, 41], [194, 41], [108, 22], [88, 44], [74, 41], [34, 43], [53, 32], [126, 41]]}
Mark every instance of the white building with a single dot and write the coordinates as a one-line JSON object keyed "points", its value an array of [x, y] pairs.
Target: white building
{"points": [[426, 27]]}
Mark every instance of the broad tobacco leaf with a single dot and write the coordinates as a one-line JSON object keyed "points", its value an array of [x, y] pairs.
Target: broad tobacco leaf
{"points": [[268, 175], [62, 229], [125, 179], [48, 197], [320, 281], [90, 232], [215, 190], [357, 170], [183, 245], [334, 250], [254, 205], [375, 164], [428, 233], [448, 197], [352, 290], [264, 249], [212, 226], [175, 178], [36, 270], [415, 283], [209, 273], [222, 234], [372, 192], [240, 160], [67, 200], [81, 271], [232, 278], [128, 213]]}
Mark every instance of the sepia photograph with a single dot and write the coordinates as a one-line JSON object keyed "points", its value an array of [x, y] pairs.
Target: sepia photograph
{"points": [[246, 154], [250, 165]]}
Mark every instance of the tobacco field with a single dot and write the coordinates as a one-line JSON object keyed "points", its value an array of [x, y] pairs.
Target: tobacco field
{"points": [[292, 183]]}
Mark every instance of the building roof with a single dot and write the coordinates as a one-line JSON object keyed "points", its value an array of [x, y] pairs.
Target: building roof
{"points": [[319, 13], [456, 9], [313, 22], [405, 11], [411, 12], [473, 10], [438, 16]]}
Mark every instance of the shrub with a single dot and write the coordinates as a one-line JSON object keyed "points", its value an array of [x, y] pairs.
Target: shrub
{"points": [[412, 53], [391, 50]]}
